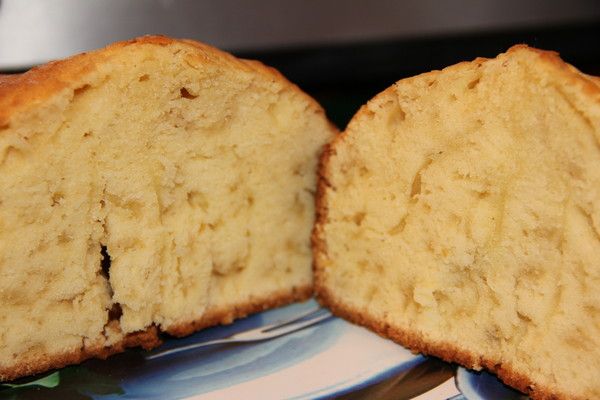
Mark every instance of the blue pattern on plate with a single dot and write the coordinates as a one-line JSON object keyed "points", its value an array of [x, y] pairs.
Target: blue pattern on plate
{"points": [[206, 369], [484, 386]]}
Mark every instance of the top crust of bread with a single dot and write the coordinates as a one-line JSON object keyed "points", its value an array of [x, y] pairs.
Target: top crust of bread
{"points": [[20, 92], [550, 61]]}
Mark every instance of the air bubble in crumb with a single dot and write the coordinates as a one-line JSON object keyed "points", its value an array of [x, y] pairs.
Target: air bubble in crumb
{"points": [[186, 94]]}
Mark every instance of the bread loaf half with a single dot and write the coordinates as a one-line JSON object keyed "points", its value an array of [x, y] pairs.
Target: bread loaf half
{"points": [[459, 215], [190, 172]]}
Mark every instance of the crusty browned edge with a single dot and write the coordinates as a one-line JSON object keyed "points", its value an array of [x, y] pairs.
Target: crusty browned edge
{"points": [[19, 92], [446, 351], [226, 315], [151, 337], [410, 339], [147, 339]]}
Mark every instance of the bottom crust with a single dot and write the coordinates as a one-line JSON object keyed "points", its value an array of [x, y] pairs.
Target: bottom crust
{"points": [[226, 315], [446, 351], [150, 338], [147, 339]]}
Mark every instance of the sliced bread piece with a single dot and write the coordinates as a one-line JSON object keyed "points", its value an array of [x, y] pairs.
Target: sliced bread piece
{"points": [[190, 171], [459, 215]]}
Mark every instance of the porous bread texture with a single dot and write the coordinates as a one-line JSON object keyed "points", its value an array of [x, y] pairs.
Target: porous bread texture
{"points": [[459, 214], [194, 170]]}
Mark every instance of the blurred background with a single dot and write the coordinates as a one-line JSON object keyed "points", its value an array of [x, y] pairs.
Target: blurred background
{"points": [[341, 52]]}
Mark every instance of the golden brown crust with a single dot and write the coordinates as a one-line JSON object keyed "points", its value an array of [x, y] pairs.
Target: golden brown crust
{"points": [[226, 315], [150, 338], [590, 85], [20, 92], [147, 339], [42, 364], [413, 340], [447, 352]]}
